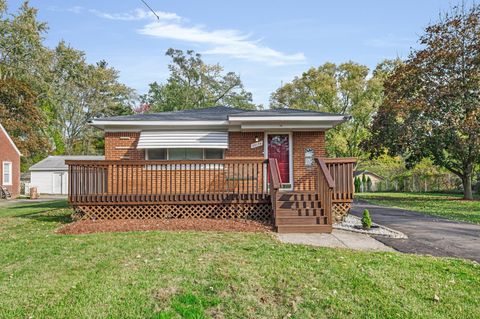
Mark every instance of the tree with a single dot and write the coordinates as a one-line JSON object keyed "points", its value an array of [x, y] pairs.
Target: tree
{"points": [[366, 219], [357, 184], [142, 108], [344, 89], [80, 92], [195, 84], [22, 119], [432, 103], [22, 54], [22, 67], [63, 90]]}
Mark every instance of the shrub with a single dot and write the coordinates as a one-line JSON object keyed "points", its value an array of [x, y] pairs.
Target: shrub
{"points": [[357, 183], [366, 219]]}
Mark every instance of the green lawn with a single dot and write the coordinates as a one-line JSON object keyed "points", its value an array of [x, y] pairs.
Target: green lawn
{"points": [[446, 205], [210, 274]]}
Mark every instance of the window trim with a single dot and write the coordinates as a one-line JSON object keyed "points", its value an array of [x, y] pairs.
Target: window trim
{"points": [[168, 155], [10, 183]]}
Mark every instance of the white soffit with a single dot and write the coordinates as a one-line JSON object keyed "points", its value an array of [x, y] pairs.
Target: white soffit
{"points": [[183, 139], [323, 118]]}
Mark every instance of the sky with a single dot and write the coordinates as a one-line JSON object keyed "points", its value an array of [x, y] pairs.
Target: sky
{"points": [[266, 42]]}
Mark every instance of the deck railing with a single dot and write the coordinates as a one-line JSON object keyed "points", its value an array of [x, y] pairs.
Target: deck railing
{"points": [[325, 188], [130, 182], [341, 170], [274, 182]]}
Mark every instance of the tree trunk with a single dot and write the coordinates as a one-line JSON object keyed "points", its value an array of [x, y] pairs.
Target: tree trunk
{"points": [[467, 187]]}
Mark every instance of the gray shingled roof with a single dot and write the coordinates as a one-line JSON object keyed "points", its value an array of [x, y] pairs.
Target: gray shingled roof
{"points": [[57, 163], [285, 112], [216, 113]]}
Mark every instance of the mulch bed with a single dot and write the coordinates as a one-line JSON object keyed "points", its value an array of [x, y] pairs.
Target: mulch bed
{"points": [[124, 225]]}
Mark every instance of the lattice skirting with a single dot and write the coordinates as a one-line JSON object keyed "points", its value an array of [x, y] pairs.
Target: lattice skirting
{"points": [[339, 210], [258, 211]]}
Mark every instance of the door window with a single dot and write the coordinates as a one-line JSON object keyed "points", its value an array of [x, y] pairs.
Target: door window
{"points": [[279, 148]]}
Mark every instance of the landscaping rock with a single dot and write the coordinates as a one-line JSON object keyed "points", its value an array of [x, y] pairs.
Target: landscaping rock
{"points": [[353, 223]]}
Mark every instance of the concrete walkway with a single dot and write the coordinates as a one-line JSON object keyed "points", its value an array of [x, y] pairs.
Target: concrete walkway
{"points": [[337, 239], [427, 234]]}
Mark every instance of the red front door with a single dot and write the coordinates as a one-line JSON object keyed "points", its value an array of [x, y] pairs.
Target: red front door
{"points": [[278, 147]]}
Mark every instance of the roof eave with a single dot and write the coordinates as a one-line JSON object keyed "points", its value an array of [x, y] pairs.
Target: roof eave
{"points": [[138, 125], [303, 122], [304, 118]]}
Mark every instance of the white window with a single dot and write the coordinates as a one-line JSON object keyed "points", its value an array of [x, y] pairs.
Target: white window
{"points": [[7, 173], [157, 154], [183, 154], [213, 153]]}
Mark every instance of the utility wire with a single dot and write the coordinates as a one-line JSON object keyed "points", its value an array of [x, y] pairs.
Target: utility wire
{"points": [[146, 4]]}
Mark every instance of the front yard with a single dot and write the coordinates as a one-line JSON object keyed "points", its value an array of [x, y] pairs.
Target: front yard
{"points": [[450, 206], [210, 274]]}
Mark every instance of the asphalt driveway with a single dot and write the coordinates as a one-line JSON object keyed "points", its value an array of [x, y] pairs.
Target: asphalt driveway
{"points": [[428, 235]]}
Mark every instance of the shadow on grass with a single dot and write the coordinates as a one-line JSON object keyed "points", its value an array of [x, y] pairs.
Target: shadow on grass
{"points": [[54, 204], [391, 199], [53, 216], [49, 211]]}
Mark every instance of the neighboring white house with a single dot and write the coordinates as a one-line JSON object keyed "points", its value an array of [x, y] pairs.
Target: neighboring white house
{"points": [[50, 175], [375, 178]]}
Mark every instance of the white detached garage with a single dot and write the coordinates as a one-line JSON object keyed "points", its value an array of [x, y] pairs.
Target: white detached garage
{"points": [[50, 175]]}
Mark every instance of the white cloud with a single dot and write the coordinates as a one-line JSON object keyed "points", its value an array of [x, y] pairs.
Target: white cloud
{"points": [[227, 42], [137, 14], [74, 9]]}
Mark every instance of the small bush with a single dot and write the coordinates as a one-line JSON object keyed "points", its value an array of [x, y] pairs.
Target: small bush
{"points": [[366, 219], [357, 184]]}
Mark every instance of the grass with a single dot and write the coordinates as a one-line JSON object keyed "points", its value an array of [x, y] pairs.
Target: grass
{"points": [[450, 206], [211, 274]]}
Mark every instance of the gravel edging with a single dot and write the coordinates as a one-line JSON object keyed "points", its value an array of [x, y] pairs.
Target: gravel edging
{"points": [[353, 224]]}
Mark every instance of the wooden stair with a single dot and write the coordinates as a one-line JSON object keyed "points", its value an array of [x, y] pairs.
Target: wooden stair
{"points": [[300, 212], [4, 193]]}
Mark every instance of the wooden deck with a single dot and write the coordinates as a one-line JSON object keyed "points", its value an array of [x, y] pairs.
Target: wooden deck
{"points": [[237, 188]]}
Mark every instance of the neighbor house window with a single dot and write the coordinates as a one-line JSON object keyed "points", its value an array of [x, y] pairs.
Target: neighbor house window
{"points": [[183, 154], [7, 173]]}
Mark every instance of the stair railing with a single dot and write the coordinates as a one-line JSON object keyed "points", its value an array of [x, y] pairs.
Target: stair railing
{"points": [[325, 186], [274, 182]]}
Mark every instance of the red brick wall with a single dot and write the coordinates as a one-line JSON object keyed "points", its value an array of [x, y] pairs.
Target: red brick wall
{"points": [[9, 154], [122, 146], [304, 177], [239, 145]]}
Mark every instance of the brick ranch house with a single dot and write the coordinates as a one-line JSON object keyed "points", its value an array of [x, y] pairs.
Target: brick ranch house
{"points": [[10, 166], [217, 162]]}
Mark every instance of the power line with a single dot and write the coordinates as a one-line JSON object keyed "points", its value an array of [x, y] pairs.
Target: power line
{"points": [[146, 4]]}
